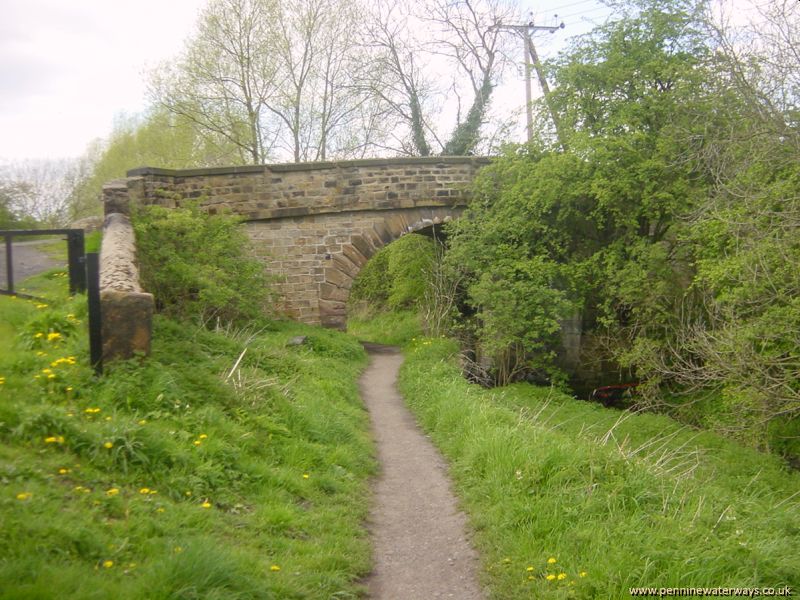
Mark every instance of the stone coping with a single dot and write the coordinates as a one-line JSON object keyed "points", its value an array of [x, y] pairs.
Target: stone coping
{"points": [[477, 161]]}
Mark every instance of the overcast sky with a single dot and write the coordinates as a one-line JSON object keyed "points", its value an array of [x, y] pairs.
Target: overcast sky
{"points": [[67, 68]]}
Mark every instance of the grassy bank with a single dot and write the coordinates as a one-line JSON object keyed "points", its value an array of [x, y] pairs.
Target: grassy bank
{"points": [[572, 500], [191, 474], [396, 328]]}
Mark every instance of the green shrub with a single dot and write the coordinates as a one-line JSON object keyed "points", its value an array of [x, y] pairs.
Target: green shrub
{"points": [[198, 265]]}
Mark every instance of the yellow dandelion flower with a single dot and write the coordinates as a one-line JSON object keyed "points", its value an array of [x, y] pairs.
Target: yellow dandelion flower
{"points": [[107, 564], [70, 316], [69, 388], [551, 561], [144, 490], [2, 380], [583, 574], [562, 576], [40, 353], [51, 376], [108, 445], [64, 471], [142, 422], [274, 568], [206, 504], [108, 418], [160, 509], [24, 496], [38, 335], [197, 442], [41, 306], [53, 336], [177, 549], [506, 560], [112, 492], [202, 436], [529, 569], [54, 439], [188, 493], [305, 475], [550, 577]]}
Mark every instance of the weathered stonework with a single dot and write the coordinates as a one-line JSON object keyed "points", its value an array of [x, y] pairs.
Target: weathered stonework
{"points": [[126, 312], [315, 224]]}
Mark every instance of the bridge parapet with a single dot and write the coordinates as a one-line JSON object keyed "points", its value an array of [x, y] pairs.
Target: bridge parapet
{"points": [[267, 192]]}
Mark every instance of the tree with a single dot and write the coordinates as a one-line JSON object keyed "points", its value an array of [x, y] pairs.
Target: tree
{"points": [[226, 76], [459, 40], [38, 191], [552, 232], [157, 138]]}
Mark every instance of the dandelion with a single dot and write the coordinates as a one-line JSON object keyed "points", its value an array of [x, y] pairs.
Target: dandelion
{"points": [[40, 353], [108, 418], [506, 560], [197, 442], [144, 490], [305, 475], [2, 380], [51, 376], [551, 561], [583, 574], [40, 306], [274, 568], [206, 504], [54, 439], [550, 577], [177, 549], [160, 509], [53, 336], [142, 422], [69, 389], [188, 493], [108, 445], [561, 576], [24, 496], [107, 564], [112, 492], [202, 436], [92, 411], [64, 471], [529, 569]]}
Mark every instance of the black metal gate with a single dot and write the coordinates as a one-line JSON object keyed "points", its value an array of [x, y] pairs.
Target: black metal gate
{"points": [[80, 266], [76, 257]]}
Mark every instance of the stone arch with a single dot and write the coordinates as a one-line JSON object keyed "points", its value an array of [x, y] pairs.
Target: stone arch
{"points": [[370, 235]]}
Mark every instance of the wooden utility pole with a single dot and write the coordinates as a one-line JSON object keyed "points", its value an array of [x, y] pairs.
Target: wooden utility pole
{"points": [[532, 59]]}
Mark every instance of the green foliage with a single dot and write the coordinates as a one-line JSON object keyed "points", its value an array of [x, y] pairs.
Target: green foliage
{"points": [[198, 265], [156, 139], [130, 485], [394, 328], [397, 276], [624, 499]]}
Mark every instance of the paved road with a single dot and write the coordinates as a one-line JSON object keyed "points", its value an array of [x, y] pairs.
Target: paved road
{"points": [[419, 535], [29, 260]]}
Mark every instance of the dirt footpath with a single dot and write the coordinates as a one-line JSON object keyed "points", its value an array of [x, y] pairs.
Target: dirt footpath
{"points": [[29, 260], [419, 535]]}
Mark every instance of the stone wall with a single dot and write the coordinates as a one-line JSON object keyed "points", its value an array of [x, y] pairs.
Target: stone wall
{"points": [[126, 311], [314, 224]]}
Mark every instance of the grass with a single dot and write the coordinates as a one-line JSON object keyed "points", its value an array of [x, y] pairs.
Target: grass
{"points": [[396, 328], [226, 465], [572, 500]]}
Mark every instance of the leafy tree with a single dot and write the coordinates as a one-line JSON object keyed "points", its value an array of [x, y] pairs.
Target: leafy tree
{"points": [[551, 232]]}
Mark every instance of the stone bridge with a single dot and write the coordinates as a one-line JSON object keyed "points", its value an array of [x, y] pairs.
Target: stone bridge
{"points": [[315, 224]]}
